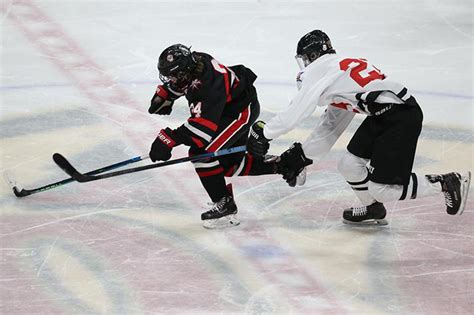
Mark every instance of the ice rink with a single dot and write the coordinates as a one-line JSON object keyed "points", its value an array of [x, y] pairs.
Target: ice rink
{"points": [[77, 78]]}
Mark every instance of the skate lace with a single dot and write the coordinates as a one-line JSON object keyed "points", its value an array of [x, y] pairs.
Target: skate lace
{"points": [[218, 206], [359, 211], [448, 199]]}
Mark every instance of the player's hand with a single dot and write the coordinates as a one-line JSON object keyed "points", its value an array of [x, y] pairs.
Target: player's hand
{"points": [[257, 144], [162, 146], [294, 161]]}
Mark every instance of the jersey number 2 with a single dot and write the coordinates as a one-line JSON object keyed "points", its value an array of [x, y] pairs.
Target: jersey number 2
{"points": [[356, 72]]}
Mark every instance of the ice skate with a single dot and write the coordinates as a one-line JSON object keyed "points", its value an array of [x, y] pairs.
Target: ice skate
{"points": [[222, 214], [455, 188], [373, 214]]}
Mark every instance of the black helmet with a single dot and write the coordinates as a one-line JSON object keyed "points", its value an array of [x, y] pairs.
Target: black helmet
{"points": [[312, 46], [176, 65]]}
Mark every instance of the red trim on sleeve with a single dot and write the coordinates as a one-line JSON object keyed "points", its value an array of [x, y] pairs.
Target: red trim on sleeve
{"points": [[345, 106], [210, 173], [341, 105], [204, 122]]}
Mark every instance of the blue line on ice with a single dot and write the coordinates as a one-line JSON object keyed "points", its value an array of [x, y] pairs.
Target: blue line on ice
{"points": [[260, 82]]}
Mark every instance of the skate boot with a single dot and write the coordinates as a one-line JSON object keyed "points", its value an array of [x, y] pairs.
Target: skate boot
{"points": [[455, 188], [373, 214], [222, 214]]}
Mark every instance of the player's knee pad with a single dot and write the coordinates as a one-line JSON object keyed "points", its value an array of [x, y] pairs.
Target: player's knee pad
{"points": [[352, 167], [385, 192]]}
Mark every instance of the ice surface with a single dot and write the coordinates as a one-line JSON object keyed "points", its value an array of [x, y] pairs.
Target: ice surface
{"points": [[77, 77]]}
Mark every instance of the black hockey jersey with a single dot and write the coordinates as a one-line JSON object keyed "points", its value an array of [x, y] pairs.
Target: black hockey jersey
{"points": [[218, 92]]}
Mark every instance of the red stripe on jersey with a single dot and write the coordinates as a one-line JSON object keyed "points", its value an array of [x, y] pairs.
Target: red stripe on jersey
{"points": [[227, 86], [249, 164], [222, 138], [236, 83], [225, 72], [204, 122], [210, 173], [230, 171], [198, 142]]}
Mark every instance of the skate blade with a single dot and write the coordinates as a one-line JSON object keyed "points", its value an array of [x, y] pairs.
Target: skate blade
{"points": [[465, 183], [371, 222], [227, 221]]}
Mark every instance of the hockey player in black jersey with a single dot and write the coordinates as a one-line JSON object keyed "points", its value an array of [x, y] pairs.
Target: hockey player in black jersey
{"points": [[223, 106], [379, 158]]}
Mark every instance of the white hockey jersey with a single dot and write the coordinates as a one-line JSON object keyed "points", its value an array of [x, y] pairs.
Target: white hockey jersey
{"points": [[345, 86]]}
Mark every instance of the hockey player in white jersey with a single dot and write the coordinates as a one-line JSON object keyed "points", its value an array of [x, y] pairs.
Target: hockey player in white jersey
{"points": [[379, 157]]}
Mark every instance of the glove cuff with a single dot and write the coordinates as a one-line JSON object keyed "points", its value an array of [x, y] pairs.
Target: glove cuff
{"points": [[162, 92], [257, 131], [167, 137]]}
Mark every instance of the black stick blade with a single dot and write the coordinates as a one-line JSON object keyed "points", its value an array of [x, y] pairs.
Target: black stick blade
{"points": [[20, 193], [68, 168]]}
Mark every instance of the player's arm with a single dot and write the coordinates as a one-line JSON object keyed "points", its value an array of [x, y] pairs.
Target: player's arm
{"points": [[163, 99], [301, 107], [331, 125]]}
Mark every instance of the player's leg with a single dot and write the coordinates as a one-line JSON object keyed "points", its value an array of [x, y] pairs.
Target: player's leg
{"points": [[223, 209], [354, 167], [392, 162], [246, 164], [231, 133], [394, 139], [454, 186]]}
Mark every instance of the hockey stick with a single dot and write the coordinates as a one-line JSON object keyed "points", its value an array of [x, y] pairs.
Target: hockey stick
{"points": [[69, 169], [21, 192]]}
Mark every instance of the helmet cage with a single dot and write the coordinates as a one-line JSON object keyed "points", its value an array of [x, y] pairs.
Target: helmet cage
{"points": [[179, 80], [302, 61], [176, 65]]}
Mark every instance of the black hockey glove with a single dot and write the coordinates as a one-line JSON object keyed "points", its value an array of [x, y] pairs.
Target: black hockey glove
{"points": [[160, 106], [162, 146], [160, 103], [293, 162], [257, 144]]}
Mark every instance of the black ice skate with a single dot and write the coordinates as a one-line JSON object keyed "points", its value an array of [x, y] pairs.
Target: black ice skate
{"points": [[455, 188], [222, 214], [373, 214]]}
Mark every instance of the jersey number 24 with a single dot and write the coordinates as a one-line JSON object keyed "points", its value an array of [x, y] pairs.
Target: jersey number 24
{"points": [[358, 72]]}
